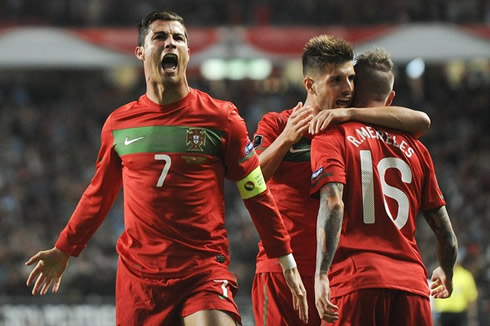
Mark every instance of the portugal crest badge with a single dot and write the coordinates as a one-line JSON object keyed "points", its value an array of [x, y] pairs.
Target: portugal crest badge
{"points": [[196, 138]]}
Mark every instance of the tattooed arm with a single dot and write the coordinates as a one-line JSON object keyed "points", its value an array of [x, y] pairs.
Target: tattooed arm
{"points": [[414, 122], [447, 250], [329, 224]]}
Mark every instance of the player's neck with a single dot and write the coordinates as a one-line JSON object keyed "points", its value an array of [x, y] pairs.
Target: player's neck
{"points": [[311, 103], [166, 94]]}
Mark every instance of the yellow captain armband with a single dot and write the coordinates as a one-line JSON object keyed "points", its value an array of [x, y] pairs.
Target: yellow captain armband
{"points": [[252, 185]]}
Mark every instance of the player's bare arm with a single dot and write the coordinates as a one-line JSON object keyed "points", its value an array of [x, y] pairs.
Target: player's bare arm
{"points": [[330, 216], [296, 125], [447, 250], [51, 265], [329, 224], [414, 122]]}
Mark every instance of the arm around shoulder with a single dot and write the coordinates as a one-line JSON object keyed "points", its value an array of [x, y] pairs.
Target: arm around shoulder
{"points": [[414, 122]]}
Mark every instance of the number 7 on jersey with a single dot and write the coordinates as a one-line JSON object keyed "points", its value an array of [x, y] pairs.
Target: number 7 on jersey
{"points": [[166, 167]]}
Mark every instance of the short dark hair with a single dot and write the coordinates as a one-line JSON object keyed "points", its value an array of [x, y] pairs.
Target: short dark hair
{"points": [[378, 59], [376, 69], [154, 16], [325, 49]]}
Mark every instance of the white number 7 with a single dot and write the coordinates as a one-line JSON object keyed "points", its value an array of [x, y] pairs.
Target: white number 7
{"points": [[166, 167], [223, 287]]}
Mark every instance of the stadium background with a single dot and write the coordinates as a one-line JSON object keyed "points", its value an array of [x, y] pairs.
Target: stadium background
{"points": [[65, 65]]}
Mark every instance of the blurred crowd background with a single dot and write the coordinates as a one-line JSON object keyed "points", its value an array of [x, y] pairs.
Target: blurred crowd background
{"points": [[50, 122], [251, 12]]}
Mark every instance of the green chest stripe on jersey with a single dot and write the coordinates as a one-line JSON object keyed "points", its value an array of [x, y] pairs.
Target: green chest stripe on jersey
{"points": [[167, 139], [299, 152]]}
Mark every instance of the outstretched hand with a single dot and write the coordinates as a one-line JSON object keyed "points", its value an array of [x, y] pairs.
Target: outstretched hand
{"points": [[326, 309], [442, 285], [50, 267], [300, 304], [325, 118]]}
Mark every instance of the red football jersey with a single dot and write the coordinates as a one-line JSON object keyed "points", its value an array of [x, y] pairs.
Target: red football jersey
{"points": [[172, 161], [290, 186], [389, 178]]}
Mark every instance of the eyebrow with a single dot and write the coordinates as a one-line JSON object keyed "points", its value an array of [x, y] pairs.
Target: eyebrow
{"points": [[342, 75], [167, 33]]}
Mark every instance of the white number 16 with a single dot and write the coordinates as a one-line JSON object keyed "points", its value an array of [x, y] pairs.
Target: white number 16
{"points": [[388, 191]]}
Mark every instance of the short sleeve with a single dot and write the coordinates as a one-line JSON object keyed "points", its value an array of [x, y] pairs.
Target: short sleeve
{"points": [[268, 130], [432, 196], [327, 159]]}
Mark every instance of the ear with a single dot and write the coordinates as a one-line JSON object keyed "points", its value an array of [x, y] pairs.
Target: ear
{"points": [[140, 53], [309, 85], [390, 98]]}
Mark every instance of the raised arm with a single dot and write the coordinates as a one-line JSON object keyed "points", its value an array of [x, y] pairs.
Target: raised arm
{"points": [[414, 122], [447, 251], [329, 223], [297, 124]]}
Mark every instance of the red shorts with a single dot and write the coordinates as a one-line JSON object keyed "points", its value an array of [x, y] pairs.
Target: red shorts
{"points": [[273, 302], [141, 301], [383, 307]]}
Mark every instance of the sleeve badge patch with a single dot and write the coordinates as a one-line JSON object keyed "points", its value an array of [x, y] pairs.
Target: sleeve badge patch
{"points": [[317, 173], [248, 148], [258, 140]]}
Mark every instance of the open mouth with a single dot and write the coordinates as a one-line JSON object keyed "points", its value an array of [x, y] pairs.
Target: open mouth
{"points": [[169, 62], [342, 103]]}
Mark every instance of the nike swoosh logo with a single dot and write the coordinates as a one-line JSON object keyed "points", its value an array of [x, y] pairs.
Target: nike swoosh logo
{"points": [[128, 141], [298, 150]]}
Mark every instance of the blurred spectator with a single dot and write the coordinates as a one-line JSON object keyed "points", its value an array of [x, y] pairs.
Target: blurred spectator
{"points": [[251, 12]]}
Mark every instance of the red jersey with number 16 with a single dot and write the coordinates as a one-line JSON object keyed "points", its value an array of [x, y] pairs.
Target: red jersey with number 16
{"points": [[172, 161], [389, 178]]}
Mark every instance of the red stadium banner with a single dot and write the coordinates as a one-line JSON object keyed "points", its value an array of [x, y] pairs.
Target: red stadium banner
{"points": [[109, 47], [291, 40], [478, 30], [125, 39]]}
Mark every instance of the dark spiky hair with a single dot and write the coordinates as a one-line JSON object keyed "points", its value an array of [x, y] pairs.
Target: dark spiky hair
{"points": [[325, 49]]}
